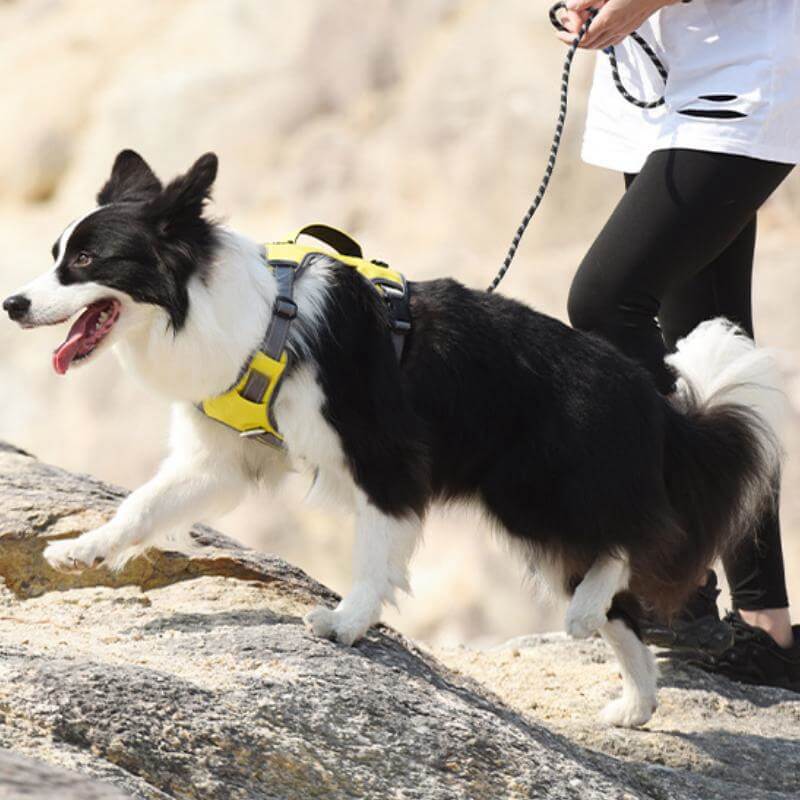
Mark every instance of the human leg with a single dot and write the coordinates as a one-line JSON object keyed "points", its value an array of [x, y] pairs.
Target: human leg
{"points": [[680, 213], [755, 569]]}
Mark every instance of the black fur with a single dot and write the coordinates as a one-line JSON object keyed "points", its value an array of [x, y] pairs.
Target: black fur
{"points": [[627, 609], [131, 181], [369, 401], [146, 240], [563, 439]]}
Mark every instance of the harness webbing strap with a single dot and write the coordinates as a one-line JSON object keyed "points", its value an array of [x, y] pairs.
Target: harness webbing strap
{"points": [[257, 384], [284, 309], [397, 301]]}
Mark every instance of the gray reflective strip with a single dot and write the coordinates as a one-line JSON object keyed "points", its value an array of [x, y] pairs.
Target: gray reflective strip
{"points": [[399, 341], [255, 387]]}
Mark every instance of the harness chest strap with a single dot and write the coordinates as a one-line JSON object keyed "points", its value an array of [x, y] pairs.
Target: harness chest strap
{"points": [[247, 407]]}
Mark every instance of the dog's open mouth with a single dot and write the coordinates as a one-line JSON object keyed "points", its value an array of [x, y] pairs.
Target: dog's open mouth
{"points": [[86, 333]]}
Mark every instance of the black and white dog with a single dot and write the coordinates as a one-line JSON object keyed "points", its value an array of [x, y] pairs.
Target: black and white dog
{"points": [[615, 494]]}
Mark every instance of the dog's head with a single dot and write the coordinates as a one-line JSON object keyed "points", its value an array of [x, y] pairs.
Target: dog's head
{"points": [[133, 254]]}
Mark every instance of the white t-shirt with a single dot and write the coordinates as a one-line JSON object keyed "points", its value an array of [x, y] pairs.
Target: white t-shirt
{"points": [[734, 85]]}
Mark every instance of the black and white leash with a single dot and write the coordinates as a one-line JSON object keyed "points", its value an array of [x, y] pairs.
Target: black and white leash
{"points": [[562, 116]]}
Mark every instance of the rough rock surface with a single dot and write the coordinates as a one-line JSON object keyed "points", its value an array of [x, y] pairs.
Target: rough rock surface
{"points": [[713, 737], [212, 688], [25, 779]]}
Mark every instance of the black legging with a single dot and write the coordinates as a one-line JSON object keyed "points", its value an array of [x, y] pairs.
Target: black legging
{"points": [[678, 250]]}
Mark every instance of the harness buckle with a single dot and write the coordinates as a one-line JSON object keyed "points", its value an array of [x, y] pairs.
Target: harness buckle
{"points": [[284, 308], [253, 433], [396, 298], [263, 436], [390, 289]]}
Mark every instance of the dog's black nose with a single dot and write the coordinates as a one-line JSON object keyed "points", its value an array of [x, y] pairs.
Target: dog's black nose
{"points": [[17, 306]]}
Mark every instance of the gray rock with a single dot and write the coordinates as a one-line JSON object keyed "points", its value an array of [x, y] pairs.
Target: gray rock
{"points": [[25, 779], [212, 687]]}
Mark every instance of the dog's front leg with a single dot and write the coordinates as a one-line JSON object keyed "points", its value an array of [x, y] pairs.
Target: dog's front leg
{"points": [[383, 547], [183, 491]]}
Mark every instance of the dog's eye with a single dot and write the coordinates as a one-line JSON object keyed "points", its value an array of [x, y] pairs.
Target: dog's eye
{"points": [[82, 260]]}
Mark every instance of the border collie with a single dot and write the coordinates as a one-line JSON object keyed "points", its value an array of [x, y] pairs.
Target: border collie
{"points": [[616, 495]]}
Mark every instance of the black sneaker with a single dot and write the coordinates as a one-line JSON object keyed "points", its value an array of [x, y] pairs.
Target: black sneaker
{"points": [[756, 658], [697, 628]]}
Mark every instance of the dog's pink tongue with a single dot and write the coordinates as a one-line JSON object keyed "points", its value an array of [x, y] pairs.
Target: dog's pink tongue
{"points": [[64, 353]]}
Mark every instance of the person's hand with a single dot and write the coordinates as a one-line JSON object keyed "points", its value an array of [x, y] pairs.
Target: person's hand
{"points": [[615, 20], [574, 17]]}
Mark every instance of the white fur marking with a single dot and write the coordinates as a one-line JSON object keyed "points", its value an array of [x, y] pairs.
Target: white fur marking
{"points": [[593, 596], [384, 546], [639, 678], [63, 240], [53, 302], [205, 474]]}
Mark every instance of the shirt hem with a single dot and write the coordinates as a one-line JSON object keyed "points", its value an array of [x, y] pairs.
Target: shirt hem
{"points": [[609, 155]]}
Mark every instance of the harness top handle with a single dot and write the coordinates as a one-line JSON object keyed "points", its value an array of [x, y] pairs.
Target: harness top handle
{"points": [[341, 242]]}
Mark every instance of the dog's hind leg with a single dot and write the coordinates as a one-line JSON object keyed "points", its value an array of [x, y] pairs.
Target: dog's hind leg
{"points": [[593, 596], [383, 547], [639, 677]]}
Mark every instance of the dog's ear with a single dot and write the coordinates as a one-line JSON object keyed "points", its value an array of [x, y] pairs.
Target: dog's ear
{"points": [[182, 201], [131, 181]]}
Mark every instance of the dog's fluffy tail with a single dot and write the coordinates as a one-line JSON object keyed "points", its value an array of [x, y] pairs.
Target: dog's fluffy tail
{"points": [[722, 451], [720, 366]]}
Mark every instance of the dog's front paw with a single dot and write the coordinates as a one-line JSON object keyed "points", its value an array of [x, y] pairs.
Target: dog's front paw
{"points": [[582, 625], [628, 712], [330, 624], [74, 555]]}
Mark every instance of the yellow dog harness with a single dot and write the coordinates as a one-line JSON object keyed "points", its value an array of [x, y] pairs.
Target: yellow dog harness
{"points": [[247, 406]]}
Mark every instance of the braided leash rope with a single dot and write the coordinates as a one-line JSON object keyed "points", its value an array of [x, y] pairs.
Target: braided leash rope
{"points": [[657, 63], [562, 118]]}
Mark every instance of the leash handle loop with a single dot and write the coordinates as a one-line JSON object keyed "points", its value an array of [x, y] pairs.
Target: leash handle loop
{"points": [[555, 20]]}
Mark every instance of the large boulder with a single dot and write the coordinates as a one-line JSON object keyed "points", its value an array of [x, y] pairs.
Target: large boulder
{"points": [[195, 678]]}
